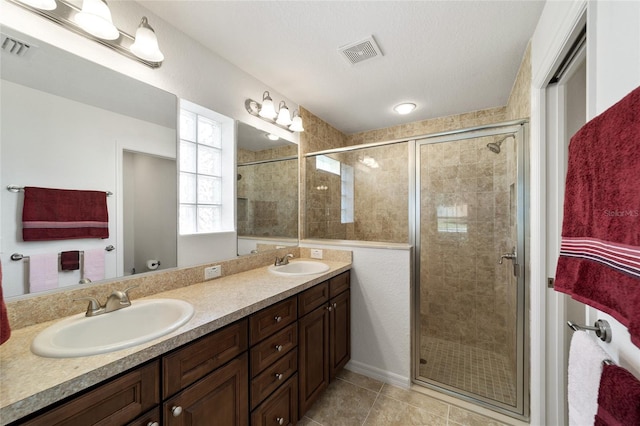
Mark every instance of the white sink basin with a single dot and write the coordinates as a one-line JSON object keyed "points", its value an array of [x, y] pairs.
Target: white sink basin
{"points": [[300, 267], [141, 322]]}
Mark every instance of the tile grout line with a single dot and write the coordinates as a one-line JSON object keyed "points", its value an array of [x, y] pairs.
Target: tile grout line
{"points": [[372, 405]]}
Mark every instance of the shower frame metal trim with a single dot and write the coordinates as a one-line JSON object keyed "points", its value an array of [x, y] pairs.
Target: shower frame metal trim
{"points": [[519, 128]]}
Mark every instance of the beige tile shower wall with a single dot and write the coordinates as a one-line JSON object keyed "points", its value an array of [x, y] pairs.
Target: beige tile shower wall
{"points": [[268, 199], [519, 105], [461, 298], [319, 135]]}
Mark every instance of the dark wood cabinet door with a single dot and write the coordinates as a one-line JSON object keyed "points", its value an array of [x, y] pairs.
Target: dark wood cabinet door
{"points": [[340, 332], [313, 349], [339, 283], [271, 319], [117, 402], [152, 418], [219, 399], [281, 408], [312, 298]]}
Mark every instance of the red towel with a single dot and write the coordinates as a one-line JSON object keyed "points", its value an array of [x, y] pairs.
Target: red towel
{"points": [[62, 214], [618, 398], [599, 260], [70, 260], [5, 329]]}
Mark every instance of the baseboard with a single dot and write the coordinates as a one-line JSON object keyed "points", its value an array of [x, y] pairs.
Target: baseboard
{"points": [[378, 374]]}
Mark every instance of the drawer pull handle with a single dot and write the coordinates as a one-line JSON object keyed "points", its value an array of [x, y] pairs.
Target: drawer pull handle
{"points": [[279, 348], [279, 376], [153, 424], [329, 308], [176, 411], [278, 318], [280, 420], [335, 306]]}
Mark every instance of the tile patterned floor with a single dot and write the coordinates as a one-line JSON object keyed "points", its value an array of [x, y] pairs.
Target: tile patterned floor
{"points": [[357, 400], [474, 370]]}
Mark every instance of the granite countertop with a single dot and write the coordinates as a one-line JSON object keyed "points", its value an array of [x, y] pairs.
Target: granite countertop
{"points": [[29, 382]]}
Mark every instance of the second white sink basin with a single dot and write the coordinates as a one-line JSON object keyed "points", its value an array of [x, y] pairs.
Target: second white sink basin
{"points": [[141, 322], [300, 267]]}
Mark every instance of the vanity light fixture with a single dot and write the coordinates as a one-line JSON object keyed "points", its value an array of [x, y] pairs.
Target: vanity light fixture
{"points": [[94, 21], [404, 108], [267, 112]]}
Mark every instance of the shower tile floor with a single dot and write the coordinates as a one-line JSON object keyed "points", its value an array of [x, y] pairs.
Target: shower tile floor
{"points": [[471, 369]]}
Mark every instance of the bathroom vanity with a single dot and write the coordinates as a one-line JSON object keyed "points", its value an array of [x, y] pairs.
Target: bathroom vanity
{"points": [[263, 363]]}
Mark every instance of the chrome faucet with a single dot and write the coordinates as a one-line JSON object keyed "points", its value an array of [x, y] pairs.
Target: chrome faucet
{"points": [[284, 260], [116, 300]]}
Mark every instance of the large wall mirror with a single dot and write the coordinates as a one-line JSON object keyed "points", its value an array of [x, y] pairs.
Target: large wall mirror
{"points": [[68, 123], [267, 191]]}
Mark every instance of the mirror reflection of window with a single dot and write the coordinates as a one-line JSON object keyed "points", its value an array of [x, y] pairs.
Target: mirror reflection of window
{"points": [[347, 183], [452, 218], [202, 183]]}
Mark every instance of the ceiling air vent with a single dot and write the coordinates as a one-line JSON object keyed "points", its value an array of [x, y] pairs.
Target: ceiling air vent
{"points": [[360, 51], [13, 46]]}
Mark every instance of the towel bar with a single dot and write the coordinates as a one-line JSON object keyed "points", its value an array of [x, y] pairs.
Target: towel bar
{"points": [[20, 256], [601, 327], [16, 188]]}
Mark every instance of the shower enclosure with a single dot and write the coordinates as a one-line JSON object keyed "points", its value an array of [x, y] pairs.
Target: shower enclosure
{"points": [[470, 251]]}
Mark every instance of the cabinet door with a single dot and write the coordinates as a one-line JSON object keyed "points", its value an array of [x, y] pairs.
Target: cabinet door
{"points": [[219, 399], [116, 402], [340, 332], [313, 347]]}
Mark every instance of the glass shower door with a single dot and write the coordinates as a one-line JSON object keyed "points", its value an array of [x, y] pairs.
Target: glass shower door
{"points": [[470, 247]]}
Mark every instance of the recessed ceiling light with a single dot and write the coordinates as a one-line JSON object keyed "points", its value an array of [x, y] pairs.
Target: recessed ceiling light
{"points": [[272, 137], [404, 108]]}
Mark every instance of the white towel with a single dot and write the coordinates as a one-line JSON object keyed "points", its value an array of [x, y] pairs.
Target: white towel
{"points": [[43, 272], [93, 264], [585, 369]]}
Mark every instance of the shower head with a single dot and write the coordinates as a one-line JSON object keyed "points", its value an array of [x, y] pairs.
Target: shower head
{"points": [[495, 146]]}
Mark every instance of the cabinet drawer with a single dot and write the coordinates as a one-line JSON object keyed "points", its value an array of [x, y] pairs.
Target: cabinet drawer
{"points": [[281, 408], [196, 360], [269, 320], [119, 401], [310, 299], [272, 377], [339, 283], [273, 348], [219, 399]]}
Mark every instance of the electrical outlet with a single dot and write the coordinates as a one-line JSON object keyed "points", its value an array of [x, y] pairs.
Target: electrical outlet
{"points": [[212, 272], [316, 254]]}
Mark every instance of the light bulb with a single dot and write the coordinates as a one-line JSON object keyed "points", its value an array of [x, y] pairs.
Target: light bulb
{"points": [[404, 108], [296, 123], [284, 119]]}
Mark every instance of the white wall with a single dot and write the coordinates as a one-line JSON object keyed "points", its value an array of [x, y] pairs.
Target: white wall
{"points": [[613, 70], [43, 154], [380, 312]]}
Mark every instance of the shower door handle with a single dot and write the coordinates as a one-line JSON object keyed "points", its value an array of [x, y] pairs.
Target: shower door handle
{"points": [[513, 257]]}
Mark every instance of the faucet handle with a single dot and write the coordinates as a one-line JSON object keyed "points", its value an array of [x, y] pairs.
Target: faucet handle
{"points": [[93, 307], [126, 292]]}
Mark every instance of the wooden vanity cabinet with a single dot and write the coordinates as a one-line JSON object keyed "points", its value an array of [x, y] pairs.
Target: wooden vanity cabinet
{"points": [[119, 402], [324, 340]]}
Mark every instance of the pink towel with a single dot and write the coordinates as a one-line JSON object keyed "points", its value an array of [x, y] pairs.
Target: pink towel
{"points": [[599, 260], [618, 398], [43, 272], [5, 328], [93, 264]]}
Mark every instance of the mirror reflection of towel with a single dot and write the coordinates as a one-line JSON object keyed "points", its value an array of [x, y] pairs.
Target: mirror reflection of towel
{"points": [[93, 263], [43, 272], [70, 260], [5, 329], [64, 214]]}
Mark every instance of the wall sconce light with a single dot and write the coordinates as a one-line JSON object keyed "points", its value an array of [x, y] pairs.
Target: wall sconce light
{"points": [[94, 21], [267, 112]]}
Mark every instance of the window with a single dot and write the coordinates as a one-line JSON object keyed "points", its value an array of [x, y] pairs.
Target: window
{"points": [[328, 164], [203, 205], [346, 200]]}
